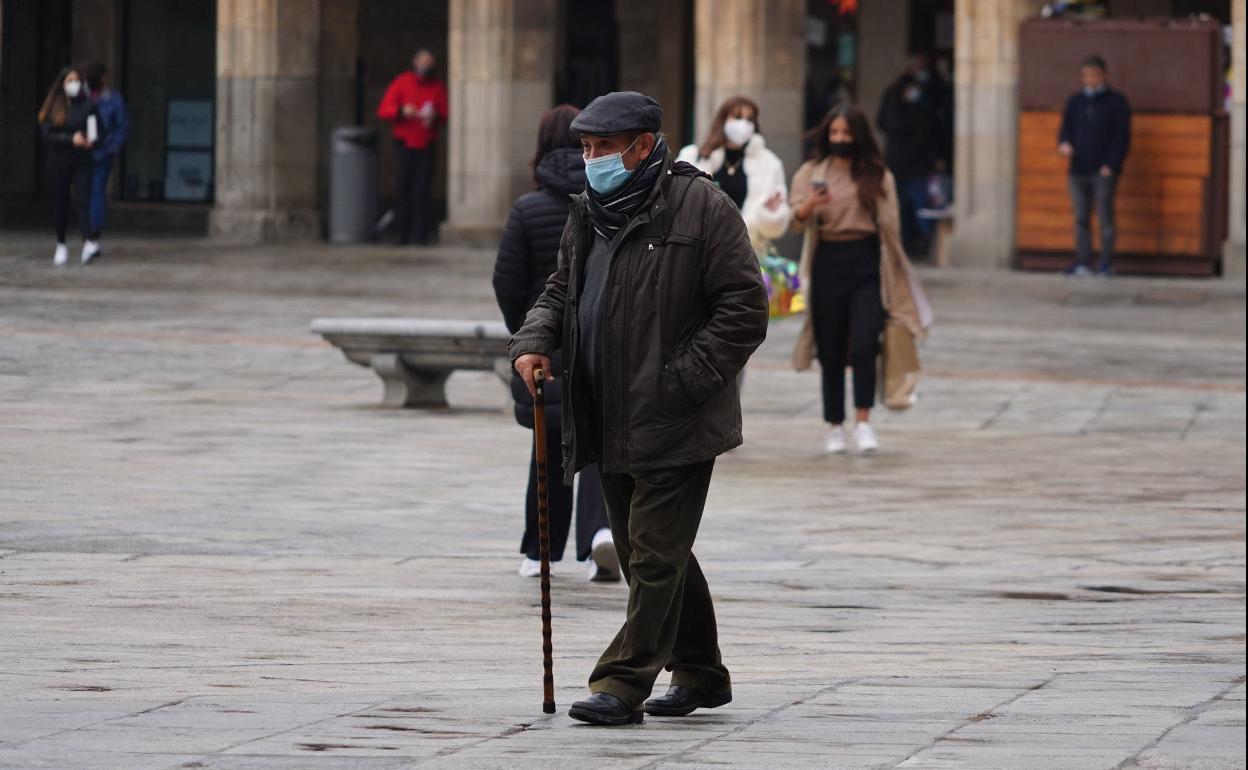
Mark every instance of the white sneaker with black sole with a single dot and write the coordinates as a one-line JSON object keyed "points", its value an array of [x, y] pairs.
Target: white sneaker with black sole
{"points": [[835, 442], [90, 250], [604, 561], [864, 439]]}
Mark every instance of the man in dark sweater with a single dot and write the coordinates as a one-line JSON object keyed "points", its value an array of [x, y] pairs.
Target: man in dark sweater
{"points": [[657, 304], [1095, 135]]}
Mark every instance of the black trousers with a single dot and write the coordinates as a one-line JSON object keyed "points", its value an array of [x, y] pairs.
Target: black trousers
{"points": [[848, 316], [71, 189], [671, 619], [412, 214], [591, 511]]}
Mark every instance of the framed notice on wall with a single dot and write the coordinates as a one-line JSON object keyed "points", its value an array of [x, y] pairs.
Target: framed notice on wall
{"points": [[188, 175], [189, 124]]}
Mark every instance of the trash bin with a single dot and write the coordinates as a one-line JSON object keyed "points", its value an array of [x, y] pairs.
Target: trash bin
{"points": [[352, 184]]}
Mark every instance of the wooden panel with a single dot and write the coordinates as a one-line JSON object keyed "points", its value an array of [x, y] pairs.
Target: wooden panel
{"points": [[1160, 204]]}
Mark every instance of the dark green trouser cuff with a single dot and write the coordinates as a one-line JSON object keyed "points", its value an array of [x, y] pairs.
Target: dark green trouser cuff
{"points": [[690, 680]]}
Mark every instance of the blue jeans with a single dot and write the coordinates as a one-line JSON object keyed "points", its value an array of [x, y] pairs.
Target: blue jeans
{"points": [[913, 194], [1086, 191], [99, 184]]}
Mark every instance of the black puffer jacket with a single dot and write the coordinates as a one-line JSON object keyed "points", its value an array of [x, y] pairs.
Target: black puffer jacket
{"points": [[60, 138], [529, 253]]}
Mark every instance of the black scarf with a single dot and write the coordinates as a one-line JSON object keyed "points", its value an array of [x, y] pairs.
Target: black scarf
{"points": [[609, 213]]}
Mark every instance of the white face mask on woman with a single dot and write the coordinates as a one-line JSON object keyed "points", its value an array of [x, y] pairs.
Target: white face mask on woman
{"points": [[73, 88], [738, 131]]}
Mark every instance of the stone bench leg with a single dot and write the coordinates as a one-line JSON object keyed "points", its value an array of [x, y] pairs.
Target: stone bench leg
{"points": [[409, 387]]}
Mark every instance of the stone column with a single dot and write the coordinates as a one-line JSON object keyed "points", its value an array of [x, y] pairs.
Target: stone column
{"points": [[268, 152], [501, 79], [1233, 255], [96, 34], [882, 49], [339, 52], [986, 129], [756, 48], [652, 48]]}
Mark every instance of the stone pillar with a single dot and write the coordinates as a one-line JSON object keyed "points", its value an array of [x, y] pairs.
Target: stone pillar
{"points": [[986, 129], [756, 48], [339, 53], [1233, 255], [96, 34], [652, 48], [268, 152], [882, 54], [500, 64]]}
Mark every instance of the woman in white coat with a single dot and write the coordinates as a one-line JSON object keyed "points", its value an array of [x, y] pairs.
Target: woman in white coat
{"points": [[736, 156]]}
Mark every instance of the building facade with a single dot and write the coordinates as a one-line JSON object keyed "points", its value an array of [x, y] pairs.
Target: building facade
{"points": [[234, 100]]}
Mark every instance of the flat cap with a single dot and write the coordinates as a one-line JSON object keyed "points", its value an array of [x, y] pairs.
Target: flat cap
{"points": [[618, 112]]}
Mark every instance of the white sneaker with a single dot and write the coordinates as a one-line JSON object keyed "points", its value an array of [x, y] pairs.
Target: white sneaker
{"points": [[90, 249], [530, 567], [835, 444], [864, 439], [604, 562], [61, 258]]}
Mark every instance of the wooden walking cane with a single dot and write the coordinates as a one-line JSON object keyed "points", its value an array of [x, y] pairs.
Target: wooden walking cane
{"points": [[543, 541]]}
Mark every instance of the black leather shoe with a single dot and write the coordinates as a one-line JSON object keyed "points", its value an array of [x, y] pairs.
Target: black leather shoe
{"points": [[680, 701], [604, 709]]}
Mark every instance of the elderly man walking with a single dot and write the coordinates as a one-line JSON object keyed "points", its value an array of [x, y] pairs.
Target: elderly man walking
{"points": [[657, 304]]}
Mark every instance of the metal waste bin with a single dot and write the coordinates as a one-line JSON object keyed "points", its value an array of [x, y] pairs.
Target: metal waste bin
{"points": [[352, 184]]}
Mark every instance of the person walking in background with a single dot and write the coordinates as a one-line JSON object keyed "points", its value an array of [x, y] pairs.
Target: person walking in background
{"points": [[1095, 135], [114, 128], [660, 303], [735, 155], [415, 104], [68, 121], [527, 256], [911, 117], [854, 269]]}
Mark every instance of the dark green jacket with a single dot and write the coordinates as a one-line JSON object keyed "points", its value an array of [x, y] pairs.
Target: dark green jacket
{"points": [[685, 308]]}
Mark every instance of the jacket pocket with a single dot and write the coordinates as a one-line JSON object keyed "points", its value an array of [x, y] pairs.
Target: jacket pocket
{"points": [[675, 400]]}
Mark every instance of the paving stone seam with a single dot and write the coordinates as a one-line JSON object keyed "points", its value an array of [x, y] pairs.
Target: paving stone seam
{"points": [[1193, 712], [675, 756], [285, 730], [987, 713]]}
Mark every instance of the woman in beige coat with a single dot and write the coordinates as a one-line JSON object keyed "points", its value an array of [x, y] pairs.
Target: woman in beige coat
{"points": [[855, 274]]}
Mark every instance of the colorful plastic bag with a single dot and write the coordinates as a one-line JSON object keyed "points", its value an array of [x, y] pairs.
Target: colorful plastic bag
{"points": [[780, 276]]}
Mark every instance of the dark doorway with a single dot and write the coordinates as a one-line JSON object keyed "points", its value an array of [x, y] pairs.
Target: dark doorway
{"points": [[588, 59], [169, 82]]}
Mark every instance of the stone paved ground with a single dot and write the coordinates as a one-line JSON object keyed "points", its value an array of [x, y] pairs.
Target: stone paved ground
{"points": [[217, 551]]}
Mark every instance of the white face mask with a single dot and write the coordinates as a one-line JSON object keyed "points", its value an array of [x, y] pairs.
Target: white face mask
{"points": [[738, 130], [73, 88]]}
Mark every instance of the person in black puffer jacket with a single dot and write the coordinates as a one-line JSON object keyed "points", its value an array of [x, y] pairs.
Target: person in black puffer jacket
{"points": [[67, 120], [527, 256]]}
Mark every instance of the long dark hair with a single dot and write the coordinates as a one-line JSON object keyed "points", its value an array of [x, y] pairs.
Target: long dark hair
{"points": [[55, 107], [867, 169], [555, 132], [715, 134]]}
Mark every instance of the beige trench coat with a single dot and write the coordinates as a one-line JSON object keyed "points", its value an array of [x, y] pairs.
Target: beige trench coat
{"points": [[904, 300]]}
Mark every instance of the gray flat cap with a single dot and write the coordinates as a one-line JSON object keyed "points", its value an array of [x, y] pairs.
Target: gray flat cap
{"points": [[618, 112]]}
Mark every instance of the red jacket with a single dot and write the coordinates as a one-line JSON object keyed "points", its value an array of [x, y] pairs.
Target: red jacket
{"points": [[410, 88]]}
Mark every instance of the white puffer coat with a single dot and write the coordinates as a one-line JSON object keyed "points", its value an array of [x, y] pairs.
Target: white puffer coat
{"points": [[764, 173]]}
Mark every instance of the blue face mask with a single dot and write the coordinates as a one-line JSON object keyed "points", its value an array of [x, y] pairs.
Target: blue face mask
{"points": [[607, 174]]}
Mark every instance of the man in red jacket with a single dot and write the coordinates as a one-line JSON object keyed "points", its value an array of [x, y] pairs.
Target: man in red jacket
{"points": [[415, 104]]}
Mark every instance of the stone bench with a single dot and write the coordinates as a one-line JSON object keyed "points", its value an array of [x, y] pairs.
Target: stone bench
{"points": [[414, 357]]}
